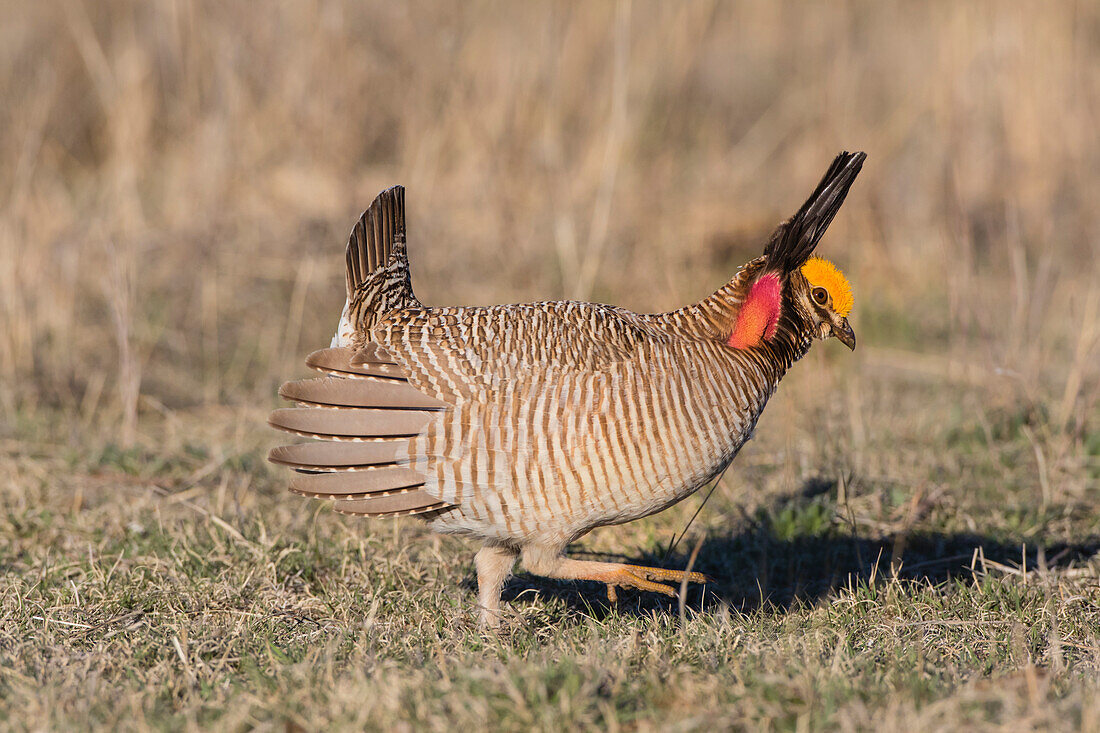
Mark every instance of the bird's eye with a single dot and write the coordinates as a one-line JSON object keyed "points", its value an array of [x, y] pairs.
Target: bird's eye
{"points": [[820, 295]]}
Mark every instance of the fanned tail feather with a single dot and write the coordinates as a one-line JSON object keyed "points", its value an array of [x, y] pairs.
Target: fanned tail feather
{"points": [[377, 272], [376, 237]]}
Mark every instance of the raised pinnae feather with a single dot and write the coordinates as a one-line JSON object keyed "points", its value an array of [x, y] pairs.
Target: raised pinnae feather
{"points": [[794, 240]]}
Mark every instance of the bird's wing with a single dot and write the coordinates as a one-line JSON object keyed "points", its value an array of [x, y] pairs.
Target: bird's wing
{"points": [[415, 421], [494, 368], [363, 415]]}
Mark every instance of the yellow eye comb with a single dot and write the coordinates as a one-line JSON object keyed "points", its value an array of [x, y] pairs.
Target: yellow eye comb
{"points": [[819, 272]]}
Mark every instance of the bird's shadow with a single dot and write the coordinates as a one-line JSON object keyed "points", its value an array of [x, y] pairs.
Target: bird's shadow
{"points": [[781, 564]]}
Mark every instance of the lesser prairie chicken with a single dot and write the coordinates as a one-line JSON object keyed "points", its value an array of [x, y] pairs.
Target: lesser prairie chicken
{"points": [[526, 426]]}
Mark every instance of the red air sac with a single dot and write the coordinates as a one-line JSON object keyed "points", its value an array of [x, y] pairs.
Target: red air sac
{"points": [[759, 314]]}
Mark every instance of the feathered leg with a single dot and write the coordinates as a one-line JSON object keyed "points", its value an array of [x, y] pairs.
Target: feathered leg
{"points": [[494, 565]]}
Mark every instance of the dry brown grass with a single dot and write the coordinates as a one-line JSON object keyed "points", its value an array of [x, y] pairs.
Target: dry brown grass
{"points": [[177, 183]]}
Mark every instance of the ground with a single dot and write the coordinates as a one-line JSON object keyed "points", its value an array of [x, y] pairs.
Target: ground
{"points": [[176, 581]]}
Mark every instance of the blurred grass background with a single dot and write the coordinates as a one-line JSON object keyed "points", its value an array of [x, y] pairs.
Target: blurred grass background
{"points": [[178, 180], [180, 177]]}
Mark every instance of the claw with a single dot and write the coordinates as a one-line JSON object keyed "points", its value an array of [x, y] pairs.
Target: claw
{"points": [[676, 576], [642, 578]]}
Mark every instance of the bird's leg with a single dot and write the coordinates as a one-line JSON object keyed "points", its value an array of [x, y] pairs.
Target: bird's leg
{"points": [[494, 565], [615, 575]]}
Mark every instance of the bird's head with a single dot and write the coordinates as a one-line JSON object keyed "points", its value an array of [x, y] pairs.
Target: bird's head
{"points": [[789, 276], [822, 293]]}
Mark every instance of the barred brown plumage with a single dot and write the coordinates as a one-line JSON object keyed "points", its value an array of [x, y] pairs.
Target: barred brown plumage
{"points": [[528, 425]]}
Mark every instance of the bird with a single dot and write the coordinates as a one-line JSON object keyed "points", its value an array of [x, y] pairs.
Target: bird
{"points": [[526, 426]]}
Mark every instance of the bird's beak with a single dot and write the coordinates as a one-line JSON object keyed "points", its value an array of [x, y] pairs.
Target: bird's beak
{"points": [[845, 334]]}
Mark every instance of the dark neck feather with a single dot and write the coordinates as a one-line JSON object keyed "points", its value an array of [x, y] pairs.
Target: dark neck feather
{"points": [[792, 340]]}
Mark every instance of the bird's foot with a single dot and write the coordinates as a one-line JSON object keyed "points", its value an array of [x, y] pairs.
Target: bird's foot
{"points": [[643, 578], [488, 619]]}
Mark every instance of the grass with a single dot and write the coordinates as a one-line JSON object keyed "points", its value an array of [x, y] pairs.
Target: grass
{"points": [[910, 541], [175, 584]]}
